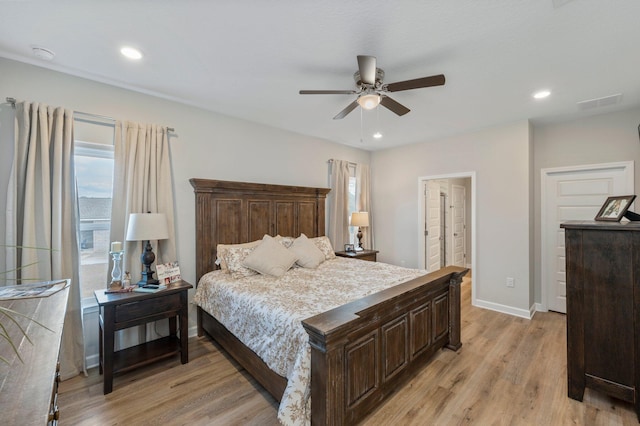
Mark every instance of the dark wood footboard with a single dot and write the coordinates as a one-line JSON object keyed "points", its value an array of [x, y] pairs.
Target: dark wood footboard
{"points": [[362, 351]]}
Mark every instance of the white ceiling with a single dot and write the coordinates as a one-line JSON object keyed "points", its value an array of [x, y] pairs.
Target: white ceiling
{"points": [[248, 59]]}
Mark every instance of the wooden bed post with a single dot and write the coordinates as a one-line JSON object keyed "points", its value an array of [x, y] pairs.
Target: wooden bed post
{"points": [[328, 377], [454, 311]]}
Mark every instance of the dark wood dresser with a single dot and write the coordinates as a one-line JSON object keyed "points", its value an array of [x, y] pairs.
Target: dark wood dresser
{"points": [[28, 390], [603, 309]]}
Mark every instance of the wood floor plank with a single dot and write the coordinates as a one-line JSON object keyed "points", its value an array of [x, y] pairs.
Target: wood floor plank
{"points": [[509, 371]]}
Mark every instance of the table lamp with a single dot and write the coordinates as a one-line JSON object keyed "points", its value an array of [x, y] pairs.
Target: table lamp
{"points": [[147, 227], [359, 219]]}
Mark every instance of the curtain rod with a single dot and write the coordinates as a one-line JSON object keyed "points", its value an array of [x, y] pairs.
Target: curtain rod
{"points": [[12, 101]]}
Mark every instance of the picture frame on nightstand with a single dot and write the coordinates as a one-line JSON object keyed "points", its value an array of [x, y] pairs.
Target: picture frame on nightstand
{"points": [[349, 248]]}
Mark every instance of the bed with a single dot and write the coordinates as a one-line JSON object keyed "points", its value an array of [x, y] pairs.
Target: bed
{"points": [[361, 351]]}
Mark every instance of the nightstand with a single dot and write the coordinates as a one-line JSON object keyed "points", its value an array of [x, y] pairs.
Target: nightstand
{"points": [[370, 255], [123, 310]]}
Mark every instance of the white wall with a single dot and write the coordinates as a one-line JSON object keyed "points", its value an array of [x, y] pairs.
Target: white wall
{"points": [[500, 157], [604, 138]]}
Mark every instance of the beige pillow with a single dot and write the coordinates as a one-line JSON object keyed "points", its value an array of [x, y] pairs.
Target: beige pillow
{"points": [[309, 256], [270, 258], [324, 244], [221, 250]]}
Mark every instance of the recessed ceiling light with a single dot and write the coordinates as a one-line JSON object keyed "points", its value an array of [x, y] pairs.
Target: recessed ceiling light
{"points": [[541, 94], [131, 52], [377, 135], [42, 53]]}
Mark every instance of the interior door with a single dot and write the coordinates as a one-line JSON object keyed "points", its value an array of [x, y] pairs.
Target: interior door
{"points": [[458, 196], [573, 194], [432, 225]]}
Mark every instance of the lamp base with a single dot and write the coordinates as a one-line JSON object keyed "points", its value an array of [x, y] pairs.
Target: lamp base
{"points": [[147, 258], [359, 235], [147, 278]]}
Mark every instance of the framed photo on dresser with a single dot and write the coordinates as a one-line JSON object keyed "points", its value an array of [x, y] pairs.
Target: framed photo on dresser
{"points": [[614, 208]]}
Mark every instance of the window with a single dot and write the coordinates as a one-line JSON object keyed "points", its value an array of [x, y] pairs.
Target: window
{"points": [[94, 180], [352, 201]]}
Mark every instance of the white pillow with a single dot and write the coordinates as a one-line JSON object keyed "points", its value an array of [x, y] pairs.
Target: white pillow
{"points": [[270, 258], [309, 256]]}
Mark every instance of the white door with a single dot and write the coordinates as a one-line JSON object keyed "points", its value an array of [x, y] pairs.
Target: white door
{"points": [[575, 193], [459, 236], [432, 225]]}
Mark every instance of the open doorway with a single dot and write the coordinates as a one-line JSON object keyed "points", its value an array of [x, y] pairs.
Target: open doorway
{"points": [[447, 222]]}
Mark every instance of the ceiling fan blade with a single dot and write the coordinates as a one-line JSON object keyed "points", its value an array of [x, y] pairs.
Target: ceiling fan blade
{"points": [[394, 106], [367, 67], [347, 110], [434, 80], [328, 92]]}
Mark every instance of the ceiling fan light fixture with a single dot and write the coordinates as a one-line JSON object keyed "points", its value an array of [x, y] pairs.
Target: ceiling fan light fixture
{"points": [[369, 101]]}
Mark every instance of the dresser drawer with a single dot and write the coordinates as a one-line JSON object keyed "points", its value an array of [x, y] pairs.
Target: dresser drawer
{"points": [[143, 308]]}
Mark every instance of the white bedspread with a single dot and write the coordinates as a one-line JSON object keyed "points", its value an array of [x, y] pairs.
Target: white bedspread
{"points": [[265, 313]]}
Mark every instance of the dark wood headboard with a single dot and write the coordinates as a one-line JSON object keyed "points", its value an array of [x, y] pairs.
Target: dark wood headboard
{"points": [[239, 212]]}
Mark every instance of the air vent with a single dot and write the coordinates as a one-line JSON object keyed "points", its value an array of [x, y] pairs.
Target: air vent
{"points": [[600, 102]]}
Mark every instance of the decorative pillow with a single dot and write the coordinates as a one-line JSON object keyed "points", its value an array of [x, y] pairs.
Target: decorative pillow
{"points": [[270, 258], [324, 244], [233, 257], [285, 241], [309, 256], [222, 248]]}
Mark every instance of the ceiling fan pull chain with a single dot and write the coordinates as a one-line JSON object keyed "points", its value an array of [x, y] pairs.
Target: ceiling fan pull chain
{"points": [[361, 133]]}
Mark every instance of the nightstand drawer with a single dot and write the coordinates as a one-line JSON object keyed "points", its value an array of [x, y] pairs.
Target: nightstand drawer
{"points": [[143, 308]]}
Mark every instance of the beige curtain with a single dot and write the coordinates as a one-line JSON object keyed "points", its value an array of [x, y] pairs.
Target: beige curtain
{"points": [[141, 183], [42, 213], [363, 201], [339, 204]]}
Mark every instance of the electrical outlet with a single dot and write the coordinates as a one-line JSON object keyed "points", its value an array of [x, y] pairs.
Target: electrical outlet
{"points": [[511, 282]]}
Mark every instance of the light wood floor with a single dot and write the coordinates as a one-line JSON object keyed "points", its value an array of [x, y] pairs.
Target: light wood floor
{"points": [[509, 371]]}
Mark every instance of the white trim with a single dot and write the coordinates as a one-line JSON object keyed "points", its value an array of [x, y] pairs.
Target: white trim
{"points": [[540, 308], [474, 265], [544, 175], [510, 310]]}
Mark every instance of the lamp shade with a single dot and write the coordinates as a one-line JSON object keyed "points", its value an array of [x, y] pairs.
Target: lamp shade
{"points": [[147, 226], [360, 219]]}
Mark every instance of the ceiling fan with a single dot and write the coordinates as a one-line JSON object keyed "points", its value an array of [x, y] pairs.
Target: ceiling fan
{"points": [[372, 91]]}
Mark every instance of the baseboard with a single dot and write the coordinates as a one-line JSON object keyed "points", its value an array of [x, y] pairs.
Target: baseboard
{"points": [[510, 310], [92, 361], [193, 331], [540, 308]]}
